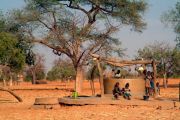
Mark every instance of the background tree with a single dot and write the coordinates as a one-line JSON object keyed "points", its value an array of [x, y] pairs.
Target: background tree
{"points": [[173, 17], [11, 55], [168, 57], [36, 71], [14, 46], [9, 25], [40, 75], [71, 27], [175, 56], [62, 70]]}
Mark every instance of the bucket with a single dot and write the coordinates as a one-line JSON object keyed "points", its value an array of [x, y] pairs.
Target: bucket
{"points": [[75, 95]]}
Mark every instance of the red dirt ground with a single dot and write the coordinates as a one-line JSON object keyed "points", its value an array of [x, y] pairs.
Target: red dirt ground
{"points": [[10, 109]]}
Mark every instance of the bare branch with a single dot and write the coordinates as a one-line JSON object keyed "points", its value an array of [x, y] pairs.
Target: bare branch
{"points": [[81, 56], [45, 24], [54, 20], [77, 7]]}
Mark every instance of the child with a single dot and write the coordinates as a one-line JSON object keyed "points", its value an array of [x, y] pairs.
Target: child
{"points": [[152, 84], [116, 90], [118, 74], [127, 91], [147, 83]]}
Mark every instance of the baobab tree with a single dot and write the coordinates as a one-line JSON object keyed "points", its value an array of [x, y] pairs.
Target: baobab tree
{"points": [[77, 28]]}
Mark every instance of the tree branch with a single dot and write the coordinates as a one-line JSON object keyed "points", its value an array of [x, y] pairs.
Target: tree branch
{"points": [[12, 93], [45, 24], [65, 51], [77, 7], [80, 56]]}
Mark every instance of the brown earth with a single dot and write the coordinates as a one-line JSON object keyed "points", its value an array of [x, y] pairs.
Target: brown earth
{"points": [[10, 109]]}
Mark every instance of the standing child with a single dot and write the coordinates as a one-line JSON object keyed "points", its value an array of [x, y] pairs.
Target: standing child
{"points": [[152, 84], [147, 83]]}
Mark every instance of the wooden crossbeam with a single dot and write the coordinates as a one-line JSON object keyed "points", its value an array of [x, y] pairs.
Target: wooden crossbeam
{"points": [[120, 63]]}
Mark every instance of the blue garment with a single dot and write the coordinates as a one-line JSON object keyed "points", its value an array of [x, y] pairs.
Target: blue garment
{"points": [[152, 84]]}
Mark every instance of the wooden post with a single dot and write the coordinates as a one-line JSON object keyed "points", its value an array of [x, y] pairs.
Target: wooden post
{"points": [[92, 79], [101, 77], [155, 72], [92, 87]]}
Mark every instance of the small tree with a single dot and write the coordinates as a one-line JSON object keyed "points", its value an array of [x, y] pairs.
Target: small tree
{"points": [[37, 69], [11, 55], [62, 69], [14, 47]]}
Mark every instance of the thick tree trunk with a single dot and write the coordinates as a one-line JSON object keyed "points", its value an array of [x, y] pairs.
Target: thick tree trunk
{"points": [[79, 79], [12, 93]]}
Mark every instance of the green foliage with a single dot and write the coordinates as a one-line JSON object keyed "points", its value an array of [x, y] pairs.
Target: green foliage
{"points": [[168, 58], [2, 22], [11, 54], [124, 11], [176, 62], [63, 17], [8, 25], [54, 74], [62, 70], [40, 75], [173, 17], [28, 78]]}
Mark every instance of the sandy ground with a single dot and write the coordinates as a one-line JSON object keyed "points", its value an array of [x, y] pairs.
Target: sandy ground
{"points": [[10, 109]]}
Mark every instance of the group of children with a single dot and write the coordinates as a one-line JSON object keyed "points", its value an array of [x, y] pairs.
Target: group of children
{"points": [[125, 92], [150, 85]]}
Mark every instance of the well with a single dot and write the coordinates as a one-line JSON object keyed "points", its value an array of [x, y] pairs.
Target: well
{"points": [[137, 86], [46, 103]]}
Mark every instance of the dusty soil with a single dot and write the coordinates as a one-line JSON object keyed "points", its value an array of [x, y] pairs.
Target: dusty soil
{"points": [[10, 109]]}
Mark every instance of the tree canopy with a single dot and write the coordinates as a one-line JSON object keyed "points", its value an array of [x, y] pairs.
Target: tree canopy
{"points": [[62, 69], [167, 57], [9, 30], [74, 35], [11, 55], [173, 17]]}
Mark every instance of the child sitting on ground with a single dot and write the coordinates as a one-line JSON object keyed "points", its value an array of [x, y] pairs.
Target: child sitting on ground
{"points": [[127, 92], [116, 90]]}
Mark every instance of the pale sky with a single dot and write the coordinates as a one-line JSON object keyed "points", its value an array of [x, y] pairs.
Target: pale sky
{"points": [[156, 31]]}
